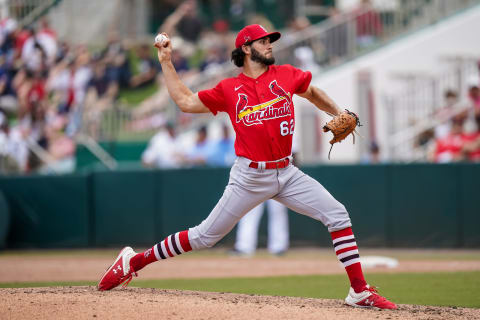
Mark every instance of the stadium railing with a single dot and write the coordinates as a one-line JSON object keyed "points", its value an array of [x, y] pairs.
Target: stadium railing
{"points": [[26, 11]]}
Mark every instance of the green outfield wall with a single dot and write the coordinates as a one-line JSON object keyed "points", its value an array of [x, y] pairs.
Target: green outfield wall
{"points": [[419, 205]]}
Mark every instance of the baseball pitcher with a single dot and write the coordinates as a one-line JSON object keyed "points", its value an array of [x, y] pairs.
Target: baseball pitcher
{"points": [[259, 104]]}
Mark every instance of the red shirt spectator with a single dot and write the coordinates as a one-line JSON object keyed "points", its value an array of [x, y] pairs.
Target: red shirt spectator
{"points": [[472, 146], [36, 94], [368, 22], [449, 148]]}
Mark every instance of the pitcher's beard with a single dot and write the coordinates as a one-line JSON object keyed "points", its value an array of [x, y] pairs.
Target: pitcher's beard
{"points": [[258, 57]]}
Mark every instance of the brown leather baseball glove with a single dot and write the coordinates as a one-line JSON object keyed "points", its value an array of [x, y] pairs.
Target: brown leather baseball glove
{"points": [[341, 126]]}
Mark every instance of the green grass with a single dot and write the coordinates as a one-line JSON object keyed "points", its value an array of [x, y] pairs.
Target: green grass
{"points": [[439, 289]]}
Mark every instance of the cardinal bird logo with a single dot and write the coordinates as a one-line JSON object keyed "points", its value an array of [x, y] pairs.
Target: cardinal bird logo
{"points": [[277, 90], [276, 108]]}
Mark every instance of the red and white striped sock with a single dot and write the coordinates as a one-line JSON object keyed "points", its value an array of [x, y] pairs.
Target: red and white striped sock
{"points": [[347, 253], [171, 246]]}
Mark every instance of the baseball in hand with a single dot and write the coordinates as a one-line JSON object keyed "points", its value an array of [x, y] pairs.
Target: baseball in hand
{"points": [[159, 39]]}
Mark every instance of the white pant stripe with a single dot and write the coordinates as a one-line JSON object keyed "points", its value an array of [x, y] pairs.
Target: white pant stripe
{"points": [[343, 238], [345, 245], [177, 240], [346, 254]]}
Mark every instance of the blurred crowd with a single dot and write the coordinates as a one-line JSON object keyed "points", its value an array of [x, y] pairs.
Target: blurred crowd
{"points": [[51, 91], [167, 151], [202, 53], [457, 135], [46, 85]]}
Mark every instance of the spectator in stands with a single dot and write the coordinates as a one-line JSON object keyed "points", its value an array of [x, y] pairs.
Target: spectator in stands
{"points": [[214, 59], [474, 93], [8, 99], [223, 37], [35, 122], [44, 28], [451, 98], [101, 85], [471, 148], [445, 114], [449, 148], [147, 68], [13, 147], [305, 54], [222, 152], [101, 94], [8, 31], [61, 148], [8, 164], [178, 59], [39, 50], [33, 68], [115, 58], [31, 93], [198, 155], [164, 150], [62, 51], [184, 22], [69, 81], [368, 24], [373, 155]]}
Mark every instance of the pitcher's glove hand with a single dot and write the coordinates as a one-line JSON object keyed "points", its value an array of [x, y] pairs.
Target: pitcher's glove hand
{"points": [[341, 126]]}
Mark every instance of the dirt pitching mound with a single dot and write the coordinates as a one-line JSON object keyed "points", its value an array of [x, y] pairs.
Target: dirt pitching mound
{"points": [[136, 303]]}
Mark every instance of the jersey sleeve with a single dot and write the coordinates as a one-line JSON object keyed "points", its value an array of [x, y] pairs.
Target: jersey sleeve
{"points": [[213, 99], [301, 80]]}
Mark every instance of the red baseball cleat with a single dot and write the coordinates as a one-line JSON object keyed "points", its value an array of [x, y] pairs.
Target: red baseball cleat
{"points": [[119, 272], [368, 298]]}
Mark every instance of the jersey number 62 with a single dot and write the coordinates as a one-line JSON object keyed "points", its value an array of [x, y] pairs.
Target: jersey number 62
{"points": [[285, 128]]}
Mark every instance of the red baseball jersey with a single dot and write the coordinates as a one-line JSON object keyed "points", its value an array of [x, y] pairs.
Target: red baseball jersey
{"points": [[261, 110]]}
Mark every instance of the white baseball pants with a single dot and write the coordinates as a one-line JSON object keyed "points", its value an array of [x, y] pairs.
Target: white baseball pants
{"points": [[248, 187]]}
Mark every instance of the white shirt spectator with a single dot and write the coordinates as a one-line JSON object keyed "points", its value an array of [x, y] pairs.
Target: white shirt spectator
{"points": [[63, 81], [14, 145], [32, 57], [163, 151]]}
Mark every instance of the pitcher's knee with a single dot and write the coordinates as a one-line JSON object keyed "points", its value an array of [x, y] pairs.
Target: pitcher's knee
{"points": [[209, 242], [340, 220], [199, 240]]}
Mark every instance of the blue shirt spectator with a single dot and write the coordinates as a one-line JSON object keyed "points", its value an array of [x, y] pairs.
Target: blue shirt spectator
{"points": [[222, 152]]}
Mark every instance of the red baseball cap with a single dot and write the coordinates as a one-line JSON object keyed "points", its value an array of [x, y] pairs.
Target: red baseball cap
{"points": [[254, 32]]}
